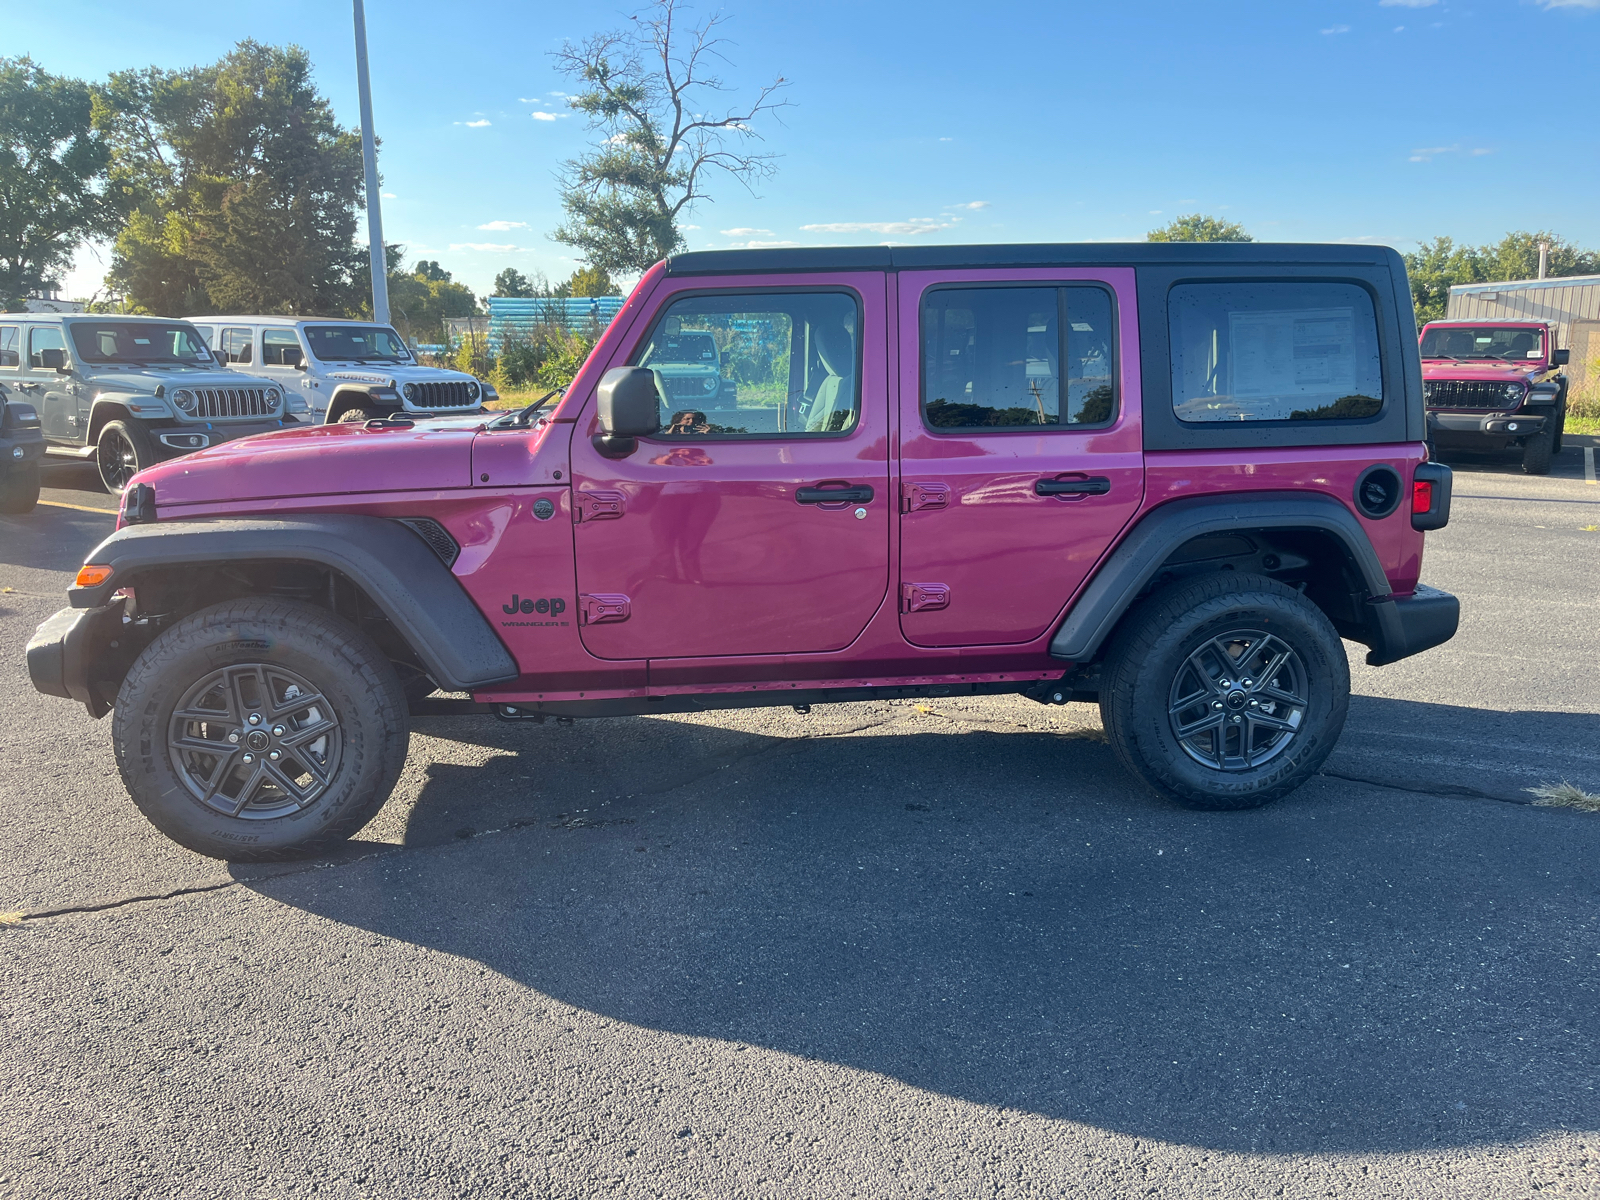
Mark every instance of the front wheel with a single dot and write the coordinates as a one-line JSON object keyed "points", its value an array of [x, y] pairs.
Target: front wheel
{"points": [[1537, 452], [123, 450], [1225, 693], [358, 416], [260, 730], [19, 489]]}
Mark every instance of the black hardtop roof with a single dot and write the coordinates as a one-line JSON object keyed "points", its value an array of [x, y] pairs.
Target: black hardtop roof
{"points": [[1041, 254]]}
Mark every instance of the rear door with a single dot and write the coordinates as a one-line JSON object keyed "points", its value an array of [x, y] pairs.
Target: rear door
{"points": [[757, 521], [1021, 456]]}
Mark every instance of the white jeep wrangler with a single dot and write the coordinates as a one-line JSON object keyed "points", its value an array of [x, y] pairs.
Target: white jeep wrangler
{"points": [[344, 370]]}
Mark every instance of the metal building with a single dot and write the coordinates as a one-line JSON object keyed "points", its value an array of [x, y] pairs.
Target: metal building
{"points": [[1572, 304], [515, 317]]}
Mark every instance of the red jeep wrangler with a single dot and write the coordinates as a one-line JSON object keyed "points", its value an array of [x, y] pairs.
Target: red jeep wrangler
{"points": [[1490, 385], [1166, 478]]}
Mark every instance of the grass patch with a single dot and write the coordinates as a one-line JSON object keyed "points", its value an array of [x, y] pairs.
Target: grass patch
{"points": [[1587, 425], [1564, 795]]}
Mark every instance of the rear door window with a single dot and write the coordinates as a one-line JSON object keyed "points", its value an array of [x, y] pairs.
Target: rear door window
{"points": [[1017, 358], [1266, 351], [238, 346]]}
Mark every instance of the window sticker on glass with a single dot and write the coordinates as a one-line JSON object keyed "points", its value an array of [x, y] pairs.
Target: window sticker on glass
{"points": [[1304, 353]]}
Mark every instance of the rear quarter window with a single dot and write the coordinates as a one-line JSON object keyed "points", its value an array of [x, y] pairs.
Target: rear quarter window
{"points": [[1249, 350]]}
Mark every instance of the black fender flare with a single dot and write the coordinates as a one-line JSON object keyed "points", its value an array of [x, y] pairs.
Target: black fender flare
{"points": [[392, 564], [1131, 566]]}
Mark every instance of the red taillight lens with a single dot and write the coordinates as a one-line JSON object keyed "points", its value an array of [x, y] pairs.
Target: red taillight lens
{"points": [[1421, 496]]}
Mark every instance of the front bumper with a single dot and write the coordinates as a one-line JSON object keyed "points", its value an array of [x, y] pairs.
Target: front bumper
{"points": [[173, 440], [76, 655], [1409, 625], [1497, 424]]}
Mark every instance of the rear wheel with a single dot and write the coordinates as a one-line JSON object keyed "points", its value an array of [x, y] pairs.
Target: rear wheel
{"points": [[123, 450], [1537, 452], [1225, 693], [19, 488], [258, 730]]}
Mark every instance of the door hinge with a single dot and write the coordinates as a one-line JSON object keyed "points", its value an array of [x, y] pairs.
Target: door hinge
{"points": [[603, 607], [599, 506], [915, 497], [924, 597]]}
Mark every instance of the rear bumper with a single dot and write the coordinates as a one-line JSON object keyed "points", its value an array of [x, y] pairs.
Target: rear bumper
{"points": [[65, 651], [1499, 424], [1411, 624]]}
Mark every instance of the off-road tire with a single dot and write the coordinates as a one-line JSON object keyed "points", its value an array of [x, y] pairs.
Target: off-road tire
{"points": [[19, 488], [117, 439], [337, 660], [1151, 650], [358, 415], [1561, 427], [1537, 451]]}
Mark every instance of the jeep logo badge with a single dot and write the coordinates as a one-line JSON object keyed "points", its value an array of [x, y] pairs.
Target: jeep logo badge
{"points": [[555, 605]]}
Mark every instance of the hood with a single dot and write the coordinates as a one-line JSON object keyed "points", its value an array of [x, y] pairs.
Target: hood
{"points": [[382, 373], [147, 379], [320, 460], [1493, 370]]}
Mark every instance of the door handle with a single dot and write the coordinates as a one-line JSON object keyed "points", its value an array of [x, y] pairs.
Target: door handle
{"points": [[857, 493], [1095, 485]]}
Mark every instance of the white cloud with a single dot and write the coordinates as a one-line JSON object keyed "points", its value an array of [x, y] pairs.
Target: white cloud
{"points": [[691, 227], [474, 124], [971, 205], [1407, 3], [759, 245], [1427, 153], [484, 247], [388, 196], [1480, 152], [1334, 29], [1155, 212], [914, 226], [544, 116], [744, 231], [502, 226], [1569, 3], [947, 139]]}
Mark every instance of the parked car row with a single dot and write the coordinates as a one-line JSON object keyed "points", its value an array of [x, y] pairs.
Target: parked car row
{"points": [[127, 392]]}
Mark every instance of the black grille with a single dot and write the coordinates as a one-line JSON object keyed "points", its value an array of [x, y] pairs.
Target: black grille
{"points": [[215, 403], [442, 395], [439, 541], [1468, 393]]}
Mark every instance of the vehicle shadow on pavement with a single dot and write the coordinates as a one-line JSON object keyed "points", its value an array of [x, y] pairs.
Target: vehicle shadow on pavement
{"points": [[1003, 918]]}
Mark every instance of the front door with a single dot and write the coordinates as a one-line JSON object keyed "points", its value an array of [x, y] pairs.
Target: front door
{"points": [[757, 521], [1021, 456], [55, 394]]}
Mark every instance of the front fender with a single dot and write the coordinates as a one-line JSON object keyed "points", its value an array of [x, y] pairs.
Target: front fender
{"points": [[403, 577]]}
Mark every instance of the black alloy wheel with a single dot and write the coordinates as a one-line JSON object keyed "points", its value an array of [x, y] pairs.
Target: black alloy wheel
{"points": [[121, 452], [255, 741], [1238, 700]]}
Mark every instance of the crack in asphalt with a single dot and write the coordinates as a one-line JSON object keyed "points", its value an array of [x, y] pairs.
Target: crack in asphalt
{"points": [[1465, 793]]}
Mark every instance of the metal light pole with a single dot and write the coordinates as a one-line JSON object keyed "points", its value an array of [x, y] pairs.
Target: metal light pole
{"points": [[369, 155]]}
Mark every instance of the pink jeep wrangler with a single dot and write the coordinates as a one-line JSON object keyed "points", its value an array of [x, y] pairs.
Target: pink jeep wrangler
{"points": [[1164, 478], [1495, 385]]}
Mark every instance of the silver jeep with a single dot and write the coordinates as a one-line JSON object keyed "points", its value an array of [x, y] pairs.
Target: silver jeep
{"points": [[131, 391]]}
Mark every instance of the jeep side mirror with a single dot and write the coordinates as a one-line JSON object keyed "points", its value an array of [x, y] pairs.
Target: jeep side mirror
{"points": [[54, 360], [629, 408], [1560, 358]]}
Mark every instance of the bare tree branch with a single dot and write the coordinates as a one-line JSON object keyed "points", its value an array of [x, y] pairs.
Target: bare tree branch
{"points": [[649, 89]]}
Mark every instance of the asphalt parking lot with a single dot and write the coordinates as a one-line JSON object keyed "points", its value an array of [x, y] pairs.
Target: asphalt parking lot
{"points": [[883, 950]]}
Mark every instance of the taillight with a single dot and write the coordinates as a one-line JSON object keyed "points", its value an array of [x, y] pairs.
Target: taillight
{"points": [[1421, 496]]}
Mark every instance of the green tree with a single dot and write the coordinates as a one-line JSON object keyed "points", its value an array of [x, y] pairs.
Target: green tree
{"points": [[241, 188], [1438, 265], [52, 176], [1196, 227], [592, 281], [651, 91], [420, 300], [512, 282]]}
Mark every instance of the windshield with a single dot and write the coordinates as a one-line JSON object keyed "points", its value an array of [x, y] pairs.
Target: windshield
{"points": [[140, 342], [1463, 342], [688, 346], [356, 343]]}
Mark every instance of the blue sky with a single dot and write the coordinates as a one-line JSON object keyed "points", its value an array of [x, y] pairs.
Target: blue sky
{"points": [[1006, 120]]}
